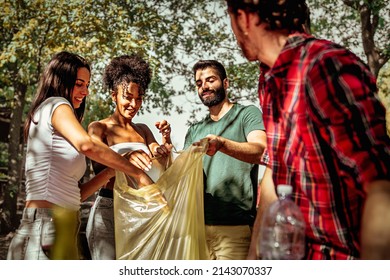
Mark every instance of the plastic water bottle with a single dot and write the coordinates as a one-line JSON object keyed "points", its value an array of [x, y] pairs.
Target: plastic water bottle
{"points": [[282, 233]]}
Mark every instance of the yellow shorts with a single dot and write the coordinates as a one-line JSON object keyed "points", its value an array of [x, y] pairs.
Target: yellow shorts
{"points": [[228, 242]]}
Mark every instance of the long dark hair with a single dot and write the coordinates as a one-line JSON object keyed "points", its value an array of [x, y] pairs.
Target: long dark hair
{"points": [[292, 15], [58, 79]]}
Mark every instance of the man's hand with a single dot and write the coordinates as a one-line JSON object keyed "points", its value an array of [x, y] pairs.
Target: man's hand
{"points": [[375, 232], [215, 143]]}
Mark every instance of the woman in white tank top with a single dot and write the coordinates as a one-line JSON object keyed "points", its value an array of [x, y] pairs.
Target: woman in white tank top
{"points": [[127, 78]]}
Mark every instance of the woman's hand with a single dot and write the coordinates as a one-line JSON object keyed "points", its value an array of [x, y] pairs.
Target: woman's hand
{"points": [[165, 129], [162, 151], [110, 172], [140, 159]]}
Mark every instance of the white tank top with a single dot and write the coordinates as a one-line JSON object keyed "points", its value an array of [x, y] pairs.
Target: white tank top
{"points": [[122, 148], [53, 165]]}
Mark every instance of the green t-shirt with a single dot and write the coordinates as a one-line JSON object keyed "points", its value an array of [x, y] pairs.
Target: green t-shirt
{"points": [[230, 184]]}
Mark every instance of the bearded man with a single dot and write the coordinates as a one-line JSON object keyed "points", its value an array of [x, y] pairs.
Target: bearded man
{"points": [[236, 143]]}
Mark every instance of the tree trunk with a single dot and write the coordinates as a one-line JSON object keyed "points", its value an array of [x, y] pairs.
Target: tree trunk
{"points": [[368, 28], [9, 219]]}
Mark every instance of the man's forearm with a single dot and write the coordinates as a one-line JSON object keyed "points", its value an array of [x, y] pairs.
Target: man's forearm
{"points": [[267, 196], [248, 152], [375, 231]]}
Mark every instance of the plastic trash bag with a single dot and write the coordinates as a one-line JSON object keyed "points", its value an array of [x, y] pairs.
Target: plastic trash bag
{"points": [[165, 220]]}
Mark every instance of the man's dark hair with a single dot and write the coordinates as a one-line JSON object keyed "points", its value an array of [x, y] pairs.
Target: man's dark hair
{"points": [[292, 15], [203, 64]]}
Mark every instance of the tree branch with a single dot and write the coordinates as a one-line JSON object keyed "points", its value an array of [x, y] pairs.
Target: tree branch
{"points": [[352, 3], [368, 31]]}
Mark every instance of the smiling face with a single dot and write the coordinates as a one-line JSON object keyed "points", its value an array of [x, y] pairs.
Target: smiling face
{"points": [[128, 100], [211, 90], [80, 89]]}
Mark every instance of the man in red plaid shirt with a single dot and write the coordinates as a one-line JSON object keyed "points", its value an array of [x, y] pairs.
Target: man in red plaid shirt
{"points": [[326, 131]]}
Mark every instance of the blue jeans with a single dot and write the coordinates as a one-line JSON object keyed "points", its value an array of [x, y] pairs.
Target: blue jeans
{"points": [[100, 229], [36, 228]]}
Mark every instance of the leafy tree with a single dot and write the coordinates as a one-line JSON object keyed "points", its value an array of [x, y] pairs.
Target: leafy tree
{"points": [[361, 25], [31, 31], [384, 91]]}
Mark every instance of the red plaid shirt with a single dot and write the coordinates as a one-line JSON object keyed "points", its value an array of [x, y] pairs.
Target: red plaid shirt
{"points": [[326, 136]]}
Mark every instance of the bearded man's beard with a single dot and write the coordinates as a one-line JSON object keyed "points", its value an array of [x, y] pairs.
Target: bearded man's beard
{"points": [[219, 96]]}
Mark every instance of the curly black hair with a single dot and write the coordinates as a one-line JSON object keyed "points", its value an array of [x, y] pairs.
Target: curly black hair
{"points": [[292, 15], [126, 69]]}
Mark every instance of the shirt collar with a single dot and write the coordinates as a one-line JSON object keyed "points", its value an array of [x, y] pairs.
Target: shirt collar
{"points": [[294, 40]]}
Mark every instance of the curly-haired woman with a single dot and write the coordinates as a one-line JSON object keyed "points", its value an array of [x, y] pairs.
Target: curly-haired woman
{"points": [[127, 78]]}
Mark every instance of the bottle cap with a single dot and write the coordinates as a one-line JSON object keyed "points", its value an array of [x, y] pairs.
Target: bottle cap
{"points": [[284, 189]]}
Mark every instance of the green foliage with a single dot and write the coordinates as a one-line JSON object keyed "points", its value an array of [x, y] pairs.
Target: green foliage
{"points": [[178, 34], [340, 21], [3, 155], [384, 91], [171, 34]]}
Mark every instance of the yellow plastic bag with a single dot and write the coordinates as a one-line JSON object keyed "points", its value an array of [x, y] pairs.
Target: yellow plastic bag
{"points": [[163, 221], [66, 223]]}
